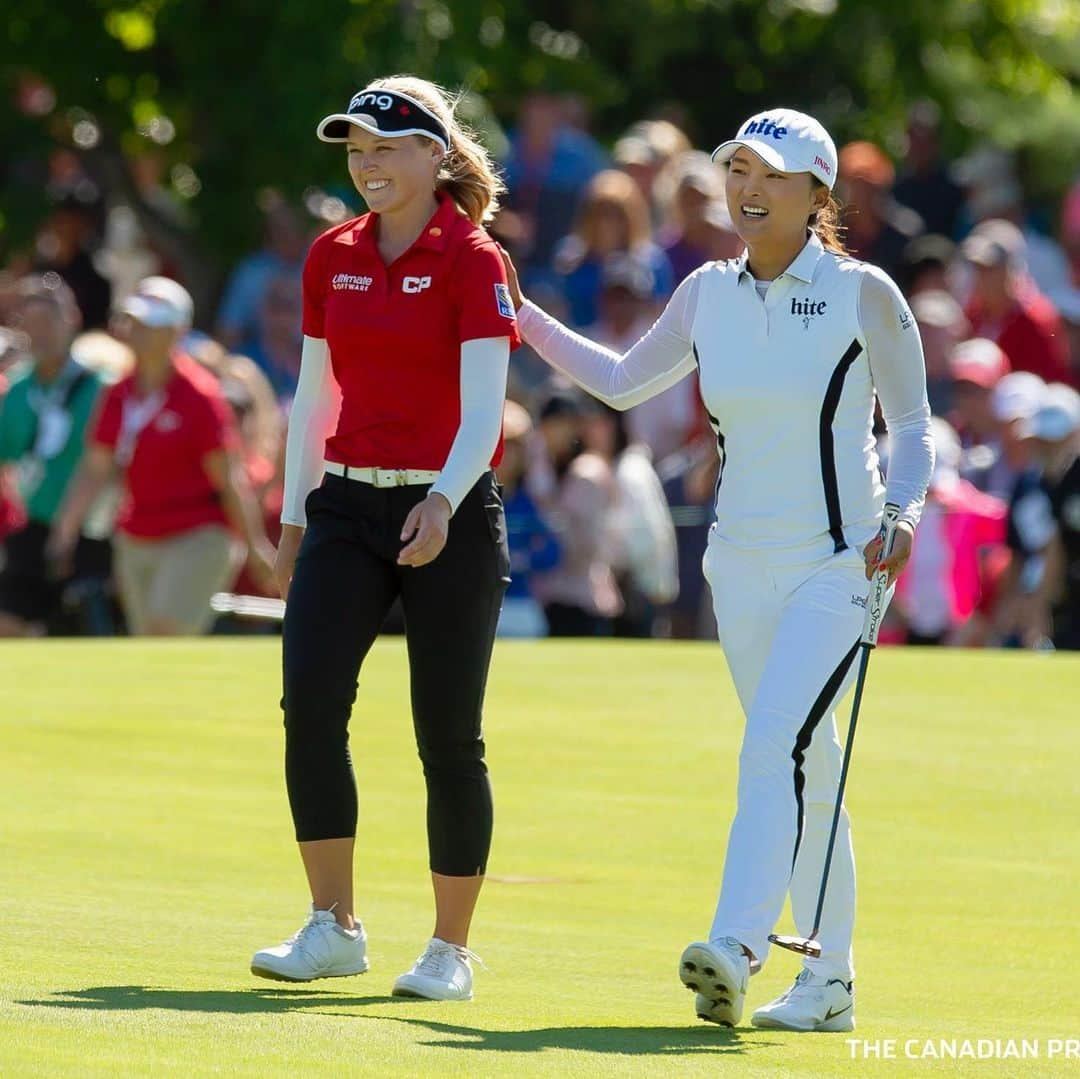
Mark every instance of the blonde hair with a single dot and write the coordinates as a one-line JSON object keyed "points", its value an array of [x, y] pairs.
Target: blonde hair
{"points": [[467, 174], [616, 189], [826, 224]]}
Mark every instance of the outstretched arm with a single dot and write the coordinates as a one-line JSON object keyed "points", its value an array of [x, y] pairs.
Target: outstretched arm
{"points": [[659, 360]]}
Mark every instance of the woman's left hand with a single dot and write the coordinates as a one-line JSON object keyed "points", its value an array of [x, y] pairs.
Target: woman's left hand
{"points": [[898, 558], [426, 526]]}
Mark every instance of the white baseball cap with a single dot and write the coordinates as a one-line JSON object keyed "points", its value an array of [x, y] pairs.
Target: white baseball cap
{"points": [[1017, 396], [1057, 417], [787, 140], [159, 302]]}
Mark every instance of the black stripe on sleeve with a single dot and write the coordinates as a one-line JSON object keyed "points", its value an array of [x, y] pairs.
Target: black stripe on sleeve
{"points": [[828, 454], [806, 733]]}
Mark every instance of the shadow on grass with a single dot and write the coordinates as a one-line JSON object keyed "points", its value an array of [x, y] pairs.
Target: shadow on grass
{"points": [[136, 997], [628, 1040], [624, 1041]]}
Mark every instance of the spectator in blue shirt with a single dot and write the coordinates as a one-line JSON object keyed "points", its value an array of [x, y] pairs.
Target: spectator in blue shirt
{"points": [[282, 254], [549, 164], [533, 546], [613, 219]]}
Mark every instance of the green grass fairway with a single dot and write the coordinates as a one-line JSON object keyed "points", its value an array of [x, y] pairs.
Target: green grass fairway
{"points": [[145, 853]]}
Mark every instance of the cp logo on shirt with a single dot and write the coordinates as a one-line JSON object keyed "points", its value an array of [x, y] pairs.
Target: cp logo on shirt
{"points": [[415, 284]]}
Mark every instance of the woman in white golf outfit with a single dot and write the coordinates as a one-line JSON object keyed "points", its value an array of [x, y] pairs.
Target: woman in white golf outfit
{"points": [[791, 341]]}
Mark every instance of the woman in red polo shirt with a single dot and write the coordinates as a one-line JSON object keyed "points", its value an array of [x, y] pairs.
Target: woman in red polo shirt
{"points": [[168, 429], [408, 328]]}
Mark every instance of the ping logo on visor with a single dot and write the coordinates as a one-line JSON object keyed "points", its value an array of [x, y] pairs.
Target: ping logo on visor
{"points": [[387, 113]]}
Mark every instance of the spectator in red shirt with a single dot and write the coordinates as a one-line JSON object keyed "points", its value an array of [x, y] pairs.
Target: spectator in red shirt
{"points": [[1007, 308], [169, 430]]}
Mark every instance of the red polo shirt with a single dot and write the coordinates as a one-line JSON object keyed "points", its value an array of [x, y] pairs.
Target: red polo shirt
{"points": [[395, 333], [167, 490]]}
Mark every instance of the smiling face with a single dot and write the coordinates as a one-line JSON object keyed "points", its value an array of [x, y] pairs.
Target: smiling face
{"points": [[769, 207], [390, 172]]}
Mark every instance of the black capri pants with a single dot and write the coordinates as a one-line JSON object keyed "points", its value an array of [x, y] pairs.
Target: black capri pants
{"points": [[345, 580]]}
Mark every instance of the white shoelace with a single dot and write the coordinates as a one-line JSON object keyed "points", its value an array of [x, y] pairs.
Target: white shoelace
{"points": [[303, 937], [306, 933], [433, 963]]}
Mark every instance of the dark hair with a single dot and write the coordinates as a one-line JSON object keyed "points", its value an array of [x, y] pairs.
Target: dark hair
{"points": [[825, 223], [560, 402], [930, 251]]}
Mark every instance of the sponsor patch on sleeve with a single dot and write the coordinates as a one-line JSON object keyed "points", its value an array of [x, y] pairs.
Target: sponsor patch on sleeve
{"points": [[503, 301], [907, 320]]}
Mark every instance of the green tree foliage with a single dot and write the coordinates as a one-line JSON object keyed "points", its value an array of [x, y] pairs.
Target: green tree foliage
{"points": [[227, 92]]}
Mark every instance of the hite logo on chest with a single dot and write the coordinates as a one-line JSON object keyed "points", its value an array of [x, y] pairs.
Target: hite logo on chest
{"points": [[807, 308], [415, 284]]}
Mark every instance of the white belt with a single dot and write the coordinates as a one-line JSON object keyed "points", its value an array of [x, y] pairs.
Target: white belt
{"points": [[382, 477]]}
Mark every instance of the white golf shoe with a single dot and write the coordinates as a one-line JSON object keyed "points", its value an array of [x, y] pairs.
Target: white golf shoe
{"points": [[443, 972], [814, 1002], [320, 949], [718, 972]]}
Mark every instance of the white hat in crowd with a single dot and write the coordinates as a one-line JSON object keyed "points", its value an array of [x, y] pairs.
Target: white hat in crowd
{"points": [[787, 140], [1057, 418], [995, 242], [1017, 396], [160, 302]]}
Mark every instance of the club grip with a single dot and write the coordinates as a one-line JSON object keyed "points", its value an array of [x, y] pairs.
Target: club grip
{"points": [[879, 583]]}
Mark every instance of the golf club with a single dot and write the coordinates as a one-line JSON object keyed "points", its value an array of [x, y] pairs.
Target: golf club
{"points": [[875, 609]]}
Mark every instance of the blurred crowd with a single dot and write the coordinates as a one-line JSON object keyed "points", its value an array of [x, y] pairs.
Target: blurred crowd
{"points": [[141, 449]]}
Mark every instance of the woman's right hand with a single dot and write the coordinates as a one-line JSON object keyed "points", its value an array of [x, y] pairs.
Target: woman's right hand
{"points": [[512, 279], [285, 560]]}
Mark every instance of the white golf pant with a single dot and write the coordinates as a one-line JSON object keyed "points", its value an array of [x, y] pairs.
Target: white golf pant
{"points": [[789, 624]]}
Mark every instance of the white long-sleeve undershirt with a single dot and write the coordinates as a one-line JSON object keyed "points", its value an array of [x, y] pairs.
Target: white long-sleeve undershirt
{"points": [[484, 365], [312, 418]]}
